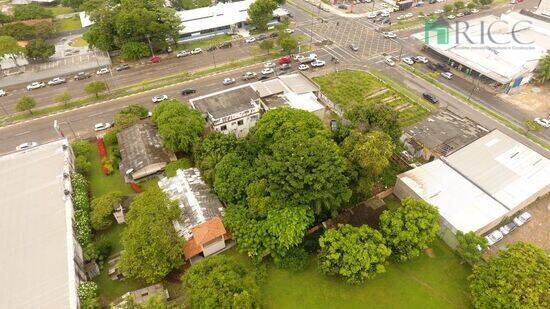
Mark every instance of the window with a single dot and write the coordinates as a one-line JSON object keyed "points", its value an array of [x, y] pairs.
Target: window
{"points": [[240, 122], [223, 128]]}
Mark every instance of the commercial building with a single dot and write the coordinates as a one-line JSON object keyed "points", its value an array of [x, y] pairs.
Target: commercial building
{"points": [[501, 50], [42, 263]]}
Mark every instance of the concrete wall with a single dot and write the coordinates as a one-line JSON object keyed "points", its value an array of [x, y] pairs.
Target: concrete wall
{"points": [[240, 130], [214, 246]]}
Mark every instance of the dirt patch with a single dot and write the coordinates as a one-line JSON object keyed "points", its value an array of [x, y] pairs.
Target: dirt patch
{"points": [[532, 99], [430, 252]]}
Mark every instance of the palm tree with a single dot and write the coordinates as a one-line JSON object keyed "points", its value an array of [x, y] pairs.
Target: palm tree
{"points": [[543, 71]]}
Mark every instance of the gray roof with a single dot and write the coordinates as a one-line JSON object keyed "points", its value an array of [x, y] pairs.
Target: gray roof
{"points": [[298, 83], [227, 102], [37, 248], [197, 202], [445, 132], [140, 147]]}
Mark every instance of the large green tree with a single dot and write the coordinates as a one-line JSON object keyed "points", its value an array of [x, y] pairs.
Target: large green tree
{"points": [[221, 282], [95, 88], [369, 152], [288, 43], [410, 228], [25, 103], [471, 246], [9, 47], [151, 245], [518, 277], [39, 50], [375, 116], [210, 151], [179, 126], [102, 210], [135, 50], [543, 69], [233, 175], [30, 11], [355, 253], [260, 13]]}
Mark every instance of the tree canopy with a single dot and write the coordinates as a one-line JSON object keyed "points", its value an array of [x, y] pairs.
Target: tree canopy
{"points": [[211, 150], [543, 69], [375, 116], [25, 103], [39, 50], [9, 46], [260, 13], [410, 228], [221, 282], [471, 246], [151, 245], [179, 126], [355, 253], [30, 11], [95, 88], [370, 152], [102, 210], [518, 277]]}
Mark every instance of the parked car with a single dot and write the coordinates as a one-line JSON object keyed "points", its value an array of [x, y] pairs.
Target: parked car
{"points": [[274, 34], [228, 81], [188, 91], [474, 11], [459, 14], [389, 61], [390, 35], [102, 126], [25, 146], [261, 37], [35, 85], [443, 67], [420, 59], [303, 67], [269, 64], [522, 219], [249, 75], [407, 60], [318, 63], [353, 47], [57, 81], [439, 11], [183, 53], [447, 75], [102, 71], [494, 237], [507, 228], [267, 71], [543, 122], [284, 66], [122, 67], [159, 98], [154, 59], [82, 75], [2, 92], [196, 51], [250, 40], [431, 66], [371, 15], [211, 48], [430, 97], [226, 45], [289, 31], [284, 59], [451, 16]]}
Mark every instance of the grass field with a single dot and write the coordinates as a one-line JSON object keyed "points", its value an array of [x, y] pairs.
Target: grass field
{"points": [[436, 281], [68, 24], [101, 184], [346, 88], [79, 42], [60, 10]]}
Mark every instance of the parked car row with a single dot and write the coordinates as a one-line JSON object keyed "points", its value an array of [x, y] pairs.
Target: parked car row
{"points": [[185, 53], [498, 234]]}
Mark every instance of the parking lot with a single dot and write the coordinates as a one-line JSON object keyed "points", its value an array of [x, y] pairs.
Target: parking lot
{"points": [[535, 231]]}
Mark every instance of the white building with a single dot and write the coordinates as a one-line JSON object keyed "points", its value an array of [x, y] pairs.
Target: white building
{"points": [[42, 262]]}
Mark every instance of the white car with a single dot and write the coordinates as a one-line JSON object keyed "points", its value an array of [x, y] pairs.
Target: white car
{"points": [[390, 35], [451, 16], [57, 81], [267, 71], [389, 62], [289, 31], [507, 228], [474, 11], [36, 85], [421, 59], [159, 98], [183, 53], [249, 75], [303, 67], [196, 51], [102, 126], [313, 56], [407, 60], [26, 146], [228, 80], [439, 11], [400, 17], [494, 237], [371, 15], [102, 71], [522, 219], [2, 93], [250, 40], [385, 14], [408, 15], [318, 63], [459, 14], [269, 65], [447, 75], [543, 122]]}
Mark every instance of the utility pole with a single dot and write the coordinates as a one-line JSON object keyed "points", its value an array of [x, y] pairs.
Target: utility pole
{"points": [[150, 46]]}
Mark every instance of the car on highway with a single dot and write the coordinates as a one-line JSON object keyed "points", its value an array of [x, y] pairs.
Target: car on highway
{"points": [[507, 228], [451, 16], [371, 15], [159, 98], [459, 14], [228, 81], [102, 71], [274, 34], [269, 64], [303, 67], [284, 59], [122, 67], [289, 31], [249, 75], [188, 91], [267, 71], [196, 51], [250, 39], [474, 11], [494, 237], [430, 98], [284, 66], [318, 63], [261, 37], [183, 53], [522, 219], [353, 47], [82, 75], [225, 45], [390, 35], [439, 11], [57, 81], [212, 48], [101, 126], [407, 60], [389, 61], [154, 59], [420, 59], [25, 146], [35, 85], [543, 122], [447, 75], [385, 13], [2, 92]]}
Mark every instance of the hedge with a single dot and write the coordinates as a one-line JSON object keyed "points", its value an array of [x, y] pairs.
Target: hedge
{"points": [[81, 205]]}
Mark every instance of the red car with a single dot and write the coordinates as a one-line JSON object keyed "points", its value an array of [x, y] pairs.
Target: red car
{"points": [[155, 59], [283, 60]]}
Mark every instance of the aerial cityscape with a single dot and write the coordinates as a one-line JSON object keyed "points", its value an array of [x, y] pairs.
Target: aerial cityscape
{"points": [[274, 154]]}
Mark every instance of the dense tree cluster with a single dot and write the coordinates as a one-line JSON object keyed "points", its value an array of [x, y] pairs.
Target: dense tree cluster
{"points": [[102, 210], [39, 50], [211, 150], [471, 246]]}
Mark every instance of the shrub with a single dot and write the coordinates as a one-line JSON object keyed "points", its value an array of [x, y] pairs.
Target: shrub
{"points": [[81, 147], [172, 167], [82, 165], [296, 260], [102, 209], [88, 295], [81, 205], [110, 138]]}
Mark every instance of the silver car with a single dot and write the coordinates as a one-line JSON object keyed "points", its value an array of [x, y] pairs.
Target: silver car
{"points": [[494, 237]]}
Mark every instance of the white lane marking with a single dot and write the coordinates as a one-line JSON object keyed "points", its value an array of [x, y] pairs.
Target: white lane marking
{"points": [[23, 133], [95, 114]]}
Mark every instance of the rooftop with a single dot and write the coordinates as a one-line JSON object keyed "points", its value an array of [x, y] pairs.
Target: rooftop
{"points": [[227, 102], [36, 229], [296, 83], [197, 202], [202, 234]]}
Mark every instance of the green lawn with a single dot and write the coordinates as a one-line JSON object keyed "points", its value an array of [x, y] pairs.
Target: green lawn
{"points": [[60, 10], [172, 167], [67, 24], [101, 184], [347, 87], [439, 281]]}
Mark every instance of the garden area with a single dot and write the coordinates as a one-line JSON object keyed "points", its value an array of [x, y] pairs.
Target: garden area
{"points": [[347, 87], [67, 24]]}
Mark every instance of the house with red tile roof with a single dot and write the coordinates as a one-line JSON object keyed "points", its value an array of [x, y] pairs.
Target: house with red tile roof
{"points": [[208, 238]]}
